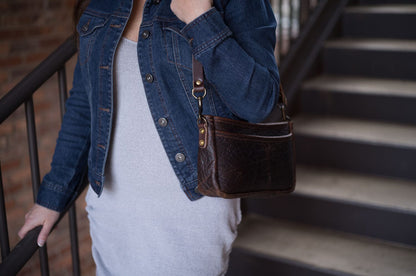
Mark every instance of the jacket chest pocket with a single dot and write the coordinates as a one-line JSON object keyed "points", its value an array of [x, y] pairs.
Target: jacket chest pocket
{"points": [[88, 28], [177, 48]]}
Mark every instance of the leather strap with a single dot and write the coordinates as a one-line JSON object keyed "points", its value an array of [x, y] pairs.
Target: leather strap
{"points": [[198, 76], [198, 86]]}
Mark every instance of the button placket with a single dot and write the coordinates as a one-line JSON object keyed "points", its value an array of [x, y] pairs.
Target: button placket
{"points": [[145, 34], [180, 157], [163, 122], [149, 78]]}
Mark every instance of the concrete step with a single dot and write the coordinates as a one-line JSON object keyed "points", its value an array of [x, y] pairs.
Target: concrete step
{"points": [[377, 58], [368, 98], [352, 144], [357, 189], [383, 21], [319, 250], [374, 206]]}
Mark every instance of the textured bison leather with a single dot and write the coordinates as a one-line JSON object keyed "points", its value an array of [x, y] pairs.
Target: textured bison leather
{"points": [[241, 159]]}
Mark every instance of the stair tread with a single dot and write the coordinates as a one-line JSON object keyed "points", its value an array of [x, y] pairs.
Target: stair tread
{"points": [[383, 9], [360, 85], [371, 132], [379, 44], [369, 190], [324, 248]]}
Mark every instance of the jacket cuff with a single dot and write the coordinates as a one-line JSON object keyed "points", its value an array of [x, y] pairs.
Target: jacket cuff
{"points": [[206, 31], [52, 197]]}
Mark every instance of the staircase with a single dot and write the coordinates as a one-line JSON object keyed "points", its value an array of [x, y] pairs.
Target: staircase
{"points": [[354, 209]]}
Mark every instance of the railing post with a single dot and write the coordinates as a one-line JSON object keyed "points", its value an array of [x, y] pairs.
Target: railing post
{"points": [[34, 167], [73, 229], [4, 232], [291, 20], [280, 25]]}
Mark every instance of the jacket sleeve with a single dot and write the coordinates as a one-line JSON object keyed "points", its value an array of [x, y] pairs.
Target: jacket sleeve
{"points": [[71, 152], [237, 52]]}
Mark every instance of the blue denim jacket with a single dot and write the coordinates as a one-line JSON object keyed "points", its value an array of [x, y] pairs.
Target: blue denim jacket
{"points": [[235, 43]]}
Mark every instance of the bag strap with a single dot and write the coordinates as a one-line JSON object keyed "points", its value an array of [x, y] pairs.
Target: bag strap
{"points": [[199, 91]]}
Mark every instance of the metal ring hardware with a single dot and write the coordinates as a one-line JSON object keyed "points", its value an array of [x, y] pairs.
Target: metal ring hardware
{"points": [[203, 96]]}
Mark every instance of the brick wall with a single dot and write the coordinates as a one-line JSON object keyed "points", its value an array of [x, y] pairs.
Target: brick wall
{"points": [[29, 31]]}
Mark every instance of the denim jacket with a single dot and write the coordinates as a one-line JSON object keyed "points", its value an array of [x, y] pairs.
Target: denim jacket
{"points": [[234, 41]]}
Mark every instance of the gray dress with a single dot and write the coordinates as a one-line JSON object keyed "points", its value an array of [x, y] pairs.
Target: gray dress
{"points": [[143, 223]]}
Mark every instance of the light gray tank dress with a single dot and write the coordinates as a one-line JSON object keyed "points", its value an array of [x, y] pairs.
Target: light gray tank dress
{"points": [[143, 223]]}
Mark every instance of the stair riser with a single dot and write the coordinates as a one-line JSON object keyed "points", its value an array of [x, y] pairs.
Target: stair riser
{"points": [[371, 25], [367, 63], [247, 263], [370, 221], [365, 106], [385, 160]]}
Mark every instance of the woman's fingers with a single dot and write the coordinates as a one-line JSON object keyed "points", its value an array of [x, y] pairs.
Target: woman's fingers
{"points": [[30, 223], [44, 233], [39, 215]]}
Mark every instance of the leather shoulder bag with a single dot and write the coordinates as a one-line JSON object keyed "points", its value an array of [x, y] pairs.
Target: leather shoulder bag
{"points": [[242, 159]]}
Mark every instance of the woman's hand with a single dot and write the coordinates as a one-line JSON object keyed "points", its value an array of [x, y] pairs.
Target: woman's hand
{"points": [[39, 215], [188, 10]]}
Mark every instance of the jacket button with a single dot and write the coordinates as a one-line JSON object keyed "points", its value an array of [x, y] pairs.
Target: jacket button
{"points": [[155, 2], [180, 157], [149, 78], [162, 122], [85, 27], [145, 34]]}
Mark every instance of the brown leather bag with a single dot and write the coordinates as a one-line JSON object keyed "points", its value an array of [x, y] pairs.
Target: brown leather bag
{"points": [[241, 159]]}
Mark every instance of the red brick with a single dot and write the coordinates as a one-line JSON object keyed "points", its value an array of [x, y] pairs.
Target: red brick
{"points": [[26, 197], [36, 57], [3, 142], [10, 33], [3, 76], [17, 214], [19, 46], [13, 189], [10, 165], [10, 61], [10, 204], [6, 129], [4, 48], [21, 177], [17, 6]]}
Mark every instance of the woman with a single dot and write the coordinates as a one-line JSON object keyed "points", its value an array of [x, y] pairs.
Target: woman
{"points": [[131, 118]]}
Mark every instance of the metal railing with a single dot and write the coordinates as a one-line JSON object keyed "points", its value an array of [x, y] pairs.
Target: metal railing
{"points": [[13, 261], [291, 16]]}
